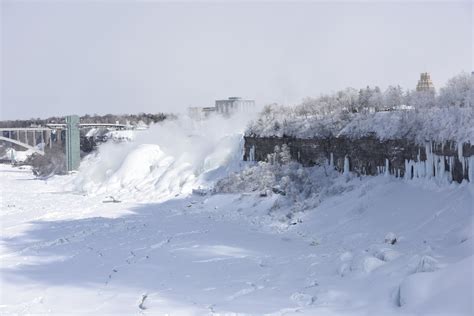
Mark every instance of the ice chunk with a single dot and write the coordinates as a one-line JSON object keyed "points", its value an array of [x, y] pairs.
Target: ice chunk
{"points": [[427, 264], [390, 238]]}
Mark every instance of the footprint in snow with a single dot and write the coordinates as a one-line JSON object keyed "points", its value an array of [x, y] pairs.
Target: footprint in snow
{"points": [[253, 287], [110, 276], [142, 302], [302, 299]]}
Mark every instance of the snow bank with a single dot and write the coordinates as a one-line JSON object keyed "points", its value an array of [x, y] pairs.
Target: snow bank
{"points": [[17, 155], [126, 135], [169, 159], [444, 292], [115, 135]]}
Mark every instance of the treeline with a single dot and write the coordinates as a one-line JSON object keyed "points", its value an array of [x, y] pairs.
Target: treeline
{"points": [[132, 119], [458, 91], [394, 113]]}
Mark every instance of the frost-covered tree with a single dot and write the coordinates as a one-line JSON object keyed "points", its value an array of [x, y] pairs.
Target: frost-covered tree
{"points": [[364, 98], [459, 91], [422, 99], [393, 97], [349, 112], [348, 100], [284, 154], [279, 175], [376, 100]]}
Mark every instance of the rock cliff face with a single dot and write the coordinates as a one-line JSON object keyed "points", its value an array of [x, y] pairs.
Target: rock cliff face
{"points": [[371, 156]]}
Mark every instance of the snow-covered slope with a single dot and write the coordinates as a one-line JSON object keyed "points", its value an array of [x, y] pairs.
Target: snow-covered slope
{"points": [[126, 234], [167, 160], [65, 252]]}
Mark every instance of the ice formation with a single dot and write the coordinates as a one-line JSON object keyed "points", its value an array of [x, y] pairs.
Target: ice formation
{"points": [[346, 166], [252, 154], [438, 166], [167, 160]]}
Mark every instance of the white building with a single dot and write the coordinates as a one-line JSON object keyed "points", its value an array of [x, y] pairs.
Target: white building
{"points": [[199, 113], [223, 107], [233, 105]]}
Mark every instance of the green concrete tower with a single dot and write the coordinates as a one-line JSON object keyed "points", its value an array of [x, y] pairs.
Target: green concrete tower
{"points": [[73, 150]]}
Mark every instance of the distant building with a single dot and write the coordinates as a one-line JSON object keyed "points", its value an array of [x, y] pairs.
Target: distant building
{"points": [[200, 113], [234, 105], [223, 107], [425, 83]]}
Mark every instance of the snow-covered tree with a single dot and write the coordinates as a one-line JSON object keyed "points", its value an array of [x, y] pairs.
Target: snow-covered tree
{"points": [[422, 99], [348, 112], [284, 154], [364, 98], [376, 100], [348, 100], [393, 97], [459, 91]]}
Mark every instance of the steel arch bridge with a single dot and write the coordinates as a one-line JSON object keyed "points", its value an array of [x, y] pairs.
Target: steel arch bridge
{"points": [[27, 137], [30, 137]]}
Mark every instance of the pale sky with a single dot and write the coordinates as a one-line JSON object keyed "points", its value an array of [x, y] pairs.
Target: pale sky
{"points": [[78, 57]]}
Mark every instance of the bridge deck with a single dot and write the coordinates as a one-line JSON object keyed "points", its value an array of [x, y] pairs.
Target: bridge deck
{"points": [[22, 129]]}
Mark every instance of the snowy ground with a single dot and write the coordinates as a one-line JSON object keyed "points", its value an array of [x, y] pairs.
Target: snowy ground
{"points": [[64, 252]]}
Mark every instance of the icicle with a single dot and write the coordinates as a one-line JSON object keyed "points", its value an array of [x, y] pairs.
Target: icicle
{"points": [[331, 160], [440, 167], [429, 160], [451, 167], [466, 166], [422, 172], [460, 151], [470, 169], [436, 166], [416, 169], [387, 169], [346, 165], [409, 173], [443, 167], [252, 153], [461, 157]]}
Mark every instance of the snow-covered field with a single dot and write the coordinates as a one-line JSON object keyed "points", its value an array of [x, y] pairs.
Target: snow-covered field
{"points": [[137, 231], [64, 251]]}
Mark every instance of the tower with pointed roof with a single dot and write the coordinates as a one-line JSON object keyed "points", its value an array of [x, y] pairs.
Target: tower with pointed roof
{"points": [[425, 83]]}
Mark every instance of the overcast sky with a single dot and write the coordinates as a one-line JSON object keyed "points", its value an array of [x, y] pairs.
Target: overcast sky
{"points": [[101, 57]]}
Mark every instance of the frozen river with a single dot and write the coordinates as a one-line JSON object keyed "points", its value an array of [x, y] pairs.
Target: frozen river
{"points": [[64, 252]]}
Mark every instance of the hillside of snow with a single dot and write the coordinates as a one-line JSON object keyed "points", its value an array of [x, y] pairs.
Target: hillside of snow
{"points": [[175, 222], [229, 253]]}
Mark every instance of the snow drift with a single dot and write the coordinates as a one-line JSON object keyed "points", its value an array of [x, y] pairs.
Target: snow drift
{"points": [[169, 159]]}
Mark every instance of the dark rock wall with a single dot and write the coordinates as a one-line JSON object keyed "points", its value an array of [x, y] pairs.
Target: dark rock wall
{"points": [[366, 155]]}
